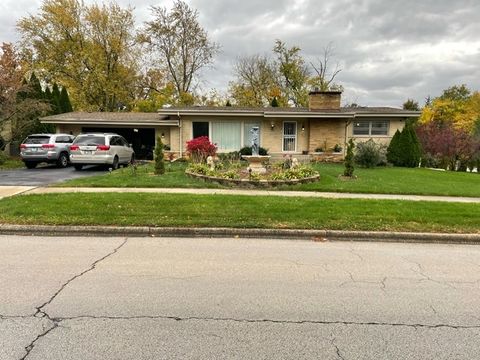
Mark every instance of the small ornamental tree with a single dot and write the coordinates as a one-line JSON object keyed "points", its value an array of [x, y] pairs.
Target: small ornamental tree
{"points": [[274, 102], [159, 161], [404, 149], [393, 151], [200, 148], [65, 104], [409, 147], [349, 164]]}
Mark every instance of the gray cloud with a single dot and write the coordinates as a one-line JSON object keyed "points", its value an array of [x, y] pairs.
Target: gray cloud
{"points": [[389, 50]]}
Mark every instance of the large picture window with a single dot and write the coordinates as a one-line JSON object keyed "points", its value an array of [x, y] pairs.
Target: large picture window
{"points": [[371, 127], [227, 135]]}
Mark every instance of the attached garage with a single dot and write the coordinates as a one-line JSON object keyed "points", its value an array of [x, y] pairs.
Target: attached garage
{"points": [[139, 129]]}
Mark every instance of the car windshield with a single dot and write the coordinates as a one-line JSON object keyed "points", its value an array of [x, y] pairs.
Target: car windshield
{"points": [[37, 140], [90, 140]]}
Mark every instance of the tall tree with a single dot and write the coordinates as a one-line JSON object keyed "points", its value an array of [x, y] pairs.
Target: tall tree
{"points": [[294, 73], [457, 105], [256, 82], [56, 108], [88, 48], [65, 104], [325, 79], [20, 104], [181, 44], [411, 104]]}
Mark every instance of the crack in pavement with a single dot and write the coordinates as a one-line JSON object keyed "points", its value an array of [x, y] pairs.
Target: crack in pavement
{"points": [[40, 313], [421, 271], [337, 349], [272, 321], [354, 281]]}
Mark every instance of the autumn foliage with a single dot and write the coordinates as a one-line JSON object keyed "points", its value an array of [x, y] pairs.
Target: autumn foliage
{"points": [[200, 148], [445, 146]]}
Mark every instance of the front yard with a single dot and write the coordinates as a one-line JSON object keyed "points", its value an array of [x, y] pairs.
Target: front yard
{"points": [[141, 209], [387, 180]]}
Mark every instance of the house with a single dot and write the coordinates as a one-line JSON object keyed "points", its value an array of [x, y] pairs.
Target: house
{"points": [[321, 127]]}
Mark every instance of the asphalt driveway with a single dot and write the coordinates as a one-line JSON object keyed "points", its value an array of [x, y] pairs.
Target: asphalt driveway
{"points": [[44, 175]]}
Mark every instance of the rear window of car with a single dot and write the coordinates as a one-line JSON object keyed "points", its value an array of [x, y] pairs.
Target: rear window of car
{"points": [[37, 140], [90, 140]]}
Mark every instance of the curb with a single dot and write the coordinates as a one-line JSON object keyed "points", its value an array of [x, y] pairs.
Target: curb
{"points": [[286, 234]]}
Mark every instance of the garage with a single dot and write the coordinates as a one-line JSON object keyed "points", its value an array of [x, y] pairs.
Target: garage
{"points": [[139, 129]]}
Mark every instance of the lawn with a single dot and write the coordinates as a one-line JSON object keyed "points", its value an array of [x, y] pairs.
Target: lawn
{"points": [[381, 180], [140, 209], [12, 163]]}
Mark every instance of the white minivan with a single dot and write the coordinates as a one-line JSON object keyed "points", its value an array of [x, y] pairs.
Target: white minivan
{"points": [[108, 149]]}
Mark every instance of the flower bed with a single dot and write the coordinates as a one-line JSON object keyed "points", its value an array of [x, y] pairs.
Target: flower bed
{"points": [[238, 175]]}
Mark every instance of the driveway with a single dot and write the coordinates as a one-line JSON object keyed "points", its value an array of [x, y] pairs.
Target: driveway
{"points": [[148, 298], [44, 175]]}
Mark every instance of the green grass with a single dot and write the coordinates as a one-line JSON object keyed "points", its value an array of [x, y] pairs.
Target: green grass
{"points": [[140, 209], [12, 163], [395, 180], [174, 177], [381, 180]]}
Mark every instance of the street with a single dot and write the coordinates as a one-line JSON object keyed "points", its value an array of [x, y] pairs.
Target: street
{"points": [[182, 298]]}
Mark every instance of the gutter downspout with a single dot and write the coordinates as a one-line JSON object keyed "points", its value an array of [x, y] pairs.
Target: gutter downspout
{"points": [[180, 134]]}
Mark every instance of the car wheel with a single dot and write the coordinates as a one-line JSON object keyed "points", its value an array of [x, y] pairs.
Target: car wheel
{"points": [[62, 161], [115, 163], [78, 167], [30, 164]]}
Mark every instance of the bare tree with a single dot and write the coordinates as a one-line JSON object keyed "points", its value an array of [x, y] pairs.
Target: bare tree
{"points": [[182, 44], [325, 77]]}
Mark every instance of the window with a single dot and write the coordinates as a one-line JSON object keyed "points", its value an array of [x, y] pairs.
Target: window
{"points": [[370, 127], [63, 140], [289, 136], [200, 128], [227, 135], [90, 140]]}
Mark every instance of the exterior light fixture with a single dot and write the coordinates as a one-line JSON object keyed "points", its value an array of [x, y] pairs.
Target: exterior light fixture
{"points": [[303, 127], [163, 136], [272, 125]]}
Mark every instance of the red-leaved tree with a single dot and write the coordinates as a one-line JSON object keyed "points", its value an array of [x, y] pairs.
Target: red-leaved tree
{"points": [[447, 147], [200, 148]]}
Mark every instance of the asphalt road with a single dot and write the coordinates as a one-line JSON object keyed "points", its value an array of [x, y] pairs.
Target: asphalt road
{"points": [[44, 175], [151, 298]]}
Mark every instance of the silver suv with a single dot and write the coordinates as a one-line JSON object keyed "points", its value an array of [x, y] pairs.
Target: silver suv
{"points": [[101, 149], [49, 148]]}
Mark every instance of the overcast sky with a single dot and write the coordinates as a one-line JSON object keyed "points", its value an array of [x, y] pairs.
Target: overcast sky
{"points": [[389, 50]]}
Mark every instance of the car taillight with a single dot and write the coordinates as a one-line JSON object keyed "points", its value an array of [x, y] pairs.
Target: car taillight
{"points": [[23, 146], [74, 147], [103, 147], [48, 146]]}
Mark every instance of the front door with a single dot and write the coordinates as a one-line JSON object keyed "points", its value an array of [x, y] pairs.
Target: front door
{"points": [[289, 136]]}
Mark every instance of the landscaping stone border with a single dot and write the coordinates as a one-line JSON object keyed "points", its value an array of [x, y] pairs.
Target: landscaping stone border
{"points": [[252, 183]]}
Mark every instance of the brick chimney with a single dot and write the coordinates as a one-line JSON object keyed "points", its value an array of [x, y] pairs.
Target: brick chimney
{"points": [[324, 100]]}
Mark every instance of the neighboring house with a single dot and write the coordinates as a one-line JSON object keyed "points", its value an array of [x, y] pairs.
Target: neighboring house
{"points": [[283, 131]]}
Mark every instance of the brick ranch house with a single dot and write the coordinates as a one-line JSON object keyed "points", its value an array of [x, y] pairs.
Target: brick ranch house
{"points": [[315, 130]]}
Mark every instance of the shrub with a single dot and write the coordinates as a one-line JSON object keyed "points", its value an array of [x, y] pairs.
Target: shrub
{"points": [[337, 148], [370, 154], [200, 148], [349, 163], [247, 150], [300, 172], [393, 150], [3, 158], [159, 161], [199, 168], [407, 148], [447, 147]]}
